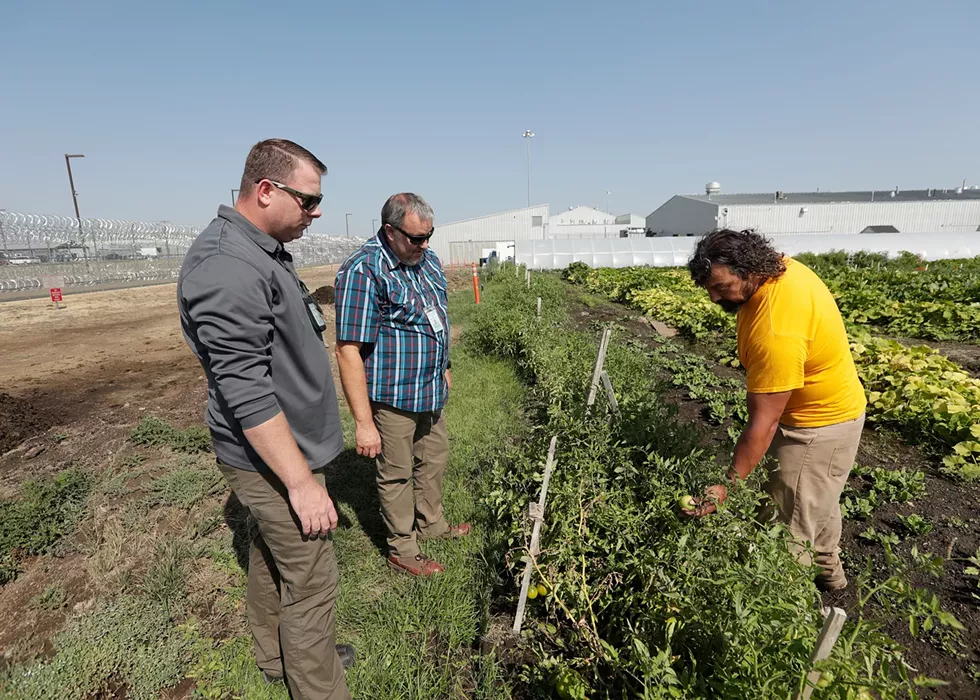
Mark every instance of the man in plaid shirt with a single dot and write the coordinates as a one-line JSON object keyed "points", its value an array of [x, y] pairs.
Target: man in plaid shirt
{"points": [[393, 355]]}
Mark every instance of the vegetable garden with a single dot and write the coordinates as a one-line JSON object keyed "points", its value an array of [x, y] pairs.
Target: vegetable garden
{"points": [[632, 600]]}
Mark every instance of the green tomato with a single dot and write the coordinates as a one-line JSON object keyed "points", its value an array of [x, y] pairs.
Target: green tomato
{"points": [[542, 590], [686, 502], [826, 678], [865, 694], [532, 593]]}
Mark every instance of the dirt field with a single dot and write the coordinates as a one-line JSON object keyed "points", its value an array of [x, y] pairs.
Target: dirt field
{"points": [[89, 370]]}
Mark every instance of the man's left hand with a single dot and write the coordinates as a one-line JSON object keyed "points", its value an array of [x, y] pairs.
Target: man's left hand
{"points": [[449, 380], [714, 496]]}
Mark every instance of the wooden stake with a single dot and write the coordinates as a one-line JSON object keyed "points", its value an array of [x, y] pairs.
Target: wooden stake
{"points": [[527, 278], [832, 627], [600, 362], [537, 515], [476, 284], [539, 308], [610, 394]]}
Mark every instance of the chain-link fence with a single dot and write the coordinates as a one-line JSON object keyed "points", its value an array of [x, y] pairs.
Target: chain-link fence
{"points": [[101, 252]]}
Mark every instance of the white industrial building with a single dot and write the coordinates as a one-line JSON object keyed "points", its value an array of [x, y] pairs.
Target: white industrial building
{"points": [[951, 210], [464, 242]]}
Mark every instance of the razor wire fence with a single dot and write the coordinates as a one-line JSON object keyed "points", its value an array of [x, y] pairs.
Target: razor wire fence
{"points": [[99, 252]]}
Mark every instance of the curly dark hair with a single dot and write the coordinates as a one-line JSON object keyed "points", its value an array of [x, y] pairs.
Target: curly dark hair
{"points": [[744, 252]]}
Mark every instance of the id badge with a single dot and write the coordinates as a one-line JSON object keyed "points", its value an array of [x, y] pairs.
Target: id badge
{"points": [[315, 316], [433, 315]]}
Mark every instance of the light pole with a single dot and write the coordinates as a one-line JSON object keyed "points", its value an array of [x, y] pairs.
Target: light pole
{"points": [[6, 251], [78, 218], [607, 201], [347, 222], [233, 191], [528, 135], [374, 225]]}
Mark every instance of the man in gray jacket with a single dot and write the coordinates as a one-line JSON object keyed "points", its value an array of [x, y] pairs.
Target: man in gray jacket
{"points": [[272, 410]]}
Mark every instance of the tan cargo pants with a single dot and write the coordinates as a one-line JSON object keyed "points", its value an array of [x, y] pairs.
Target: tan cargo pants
{"points": [[412, 463], [806, 485], [292, 587]]}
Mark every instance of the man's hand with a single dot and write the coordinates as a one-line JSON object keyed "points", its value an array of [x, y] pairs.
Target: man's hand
{"points": [[314, 508], [368, 439], [714, 496], [449, 380]]}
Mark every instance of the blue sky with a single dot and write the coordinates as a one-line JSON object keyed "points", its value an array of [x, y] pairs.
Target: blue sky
{"points": [[646, 99]]}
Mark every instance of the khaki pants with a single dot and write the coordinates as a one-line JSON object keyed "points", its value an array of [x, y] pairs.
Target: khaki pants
{"points": [[414, 454], [814, 464], [292, 586]]}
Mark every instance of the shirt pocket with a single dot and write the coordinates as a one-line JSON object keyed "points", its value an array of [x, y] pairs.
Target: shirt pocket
{"points": [[406, 309]]}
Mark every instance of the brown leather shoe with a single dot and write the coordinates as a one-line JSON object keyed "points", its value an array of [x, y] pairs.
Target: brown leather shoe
{"points": [[421, 565], [454, 531], [460, 530]]}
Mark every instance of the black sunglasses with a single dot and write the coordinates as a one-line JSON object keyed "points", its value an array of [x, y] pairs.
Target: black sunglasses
{"points": [[308, 202], [417, 240]]}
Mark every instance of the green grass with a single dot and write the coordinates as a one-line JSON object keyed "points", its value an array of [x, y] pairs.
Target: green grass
{"points": [[154, 432], [414, 639], [186, 483], [47, 510], [129, 642]]}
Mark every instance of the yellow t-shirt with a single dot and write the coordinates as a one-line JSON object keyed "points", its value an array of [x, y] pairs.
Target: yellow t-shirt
{"points": [[791, 337]]}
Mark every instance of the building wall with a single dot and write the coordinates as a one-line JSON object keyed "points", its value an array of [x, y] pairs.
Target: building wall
{"points": [[517, 225], [631, 220], [680, 216], [582, 216], [853, 217]]}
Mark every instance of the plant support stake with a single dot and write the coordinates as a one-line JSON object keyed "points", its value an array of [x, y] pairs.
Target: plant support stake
{"points": [[832, 627], [610, 394], [539, 308], [600, 362], [527, 278], [537, 515], [476, 285]]}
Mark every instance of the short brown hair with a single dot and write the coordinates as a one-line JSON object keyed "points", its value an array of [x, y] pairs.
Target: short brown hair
{"points": [[275, 159]]}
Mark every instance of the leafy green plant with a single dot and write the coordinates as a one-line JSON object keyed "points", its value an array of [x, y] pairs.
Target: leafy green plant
{"points": [[884, 539], [46, 510], [645, 602], [152, 431], [51, 598], [914, 524]]}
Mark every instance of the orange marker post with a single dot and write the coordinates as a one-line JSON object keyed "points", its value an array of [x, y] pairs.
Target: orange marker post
{"points": [[476, 284]]}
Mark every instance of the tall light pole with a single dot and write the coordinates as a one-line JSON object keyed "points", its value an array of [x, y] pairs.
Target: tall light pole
{"points": [[233, 191], [607, 201], [78, 218], [347, 222], [528, 135], [374, 225]]}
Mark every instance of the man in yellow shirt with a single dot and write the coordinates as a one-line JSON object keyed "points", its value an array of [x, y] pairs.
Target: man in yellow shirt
{"points": [[806, 404]]}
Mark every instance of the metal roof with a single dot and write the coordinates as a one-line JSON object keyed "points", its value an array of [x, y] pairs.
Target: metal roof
{"points": [[832, 197]]}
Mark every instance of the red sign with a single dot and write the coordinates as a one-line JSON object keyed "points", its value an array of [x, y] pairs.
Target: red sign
{"points": [[56, 294]]}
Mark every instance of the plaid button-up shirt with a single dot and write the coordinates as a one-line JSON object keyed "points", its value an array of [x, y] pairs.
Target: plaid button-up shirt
{"points": [[386, 305]]}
